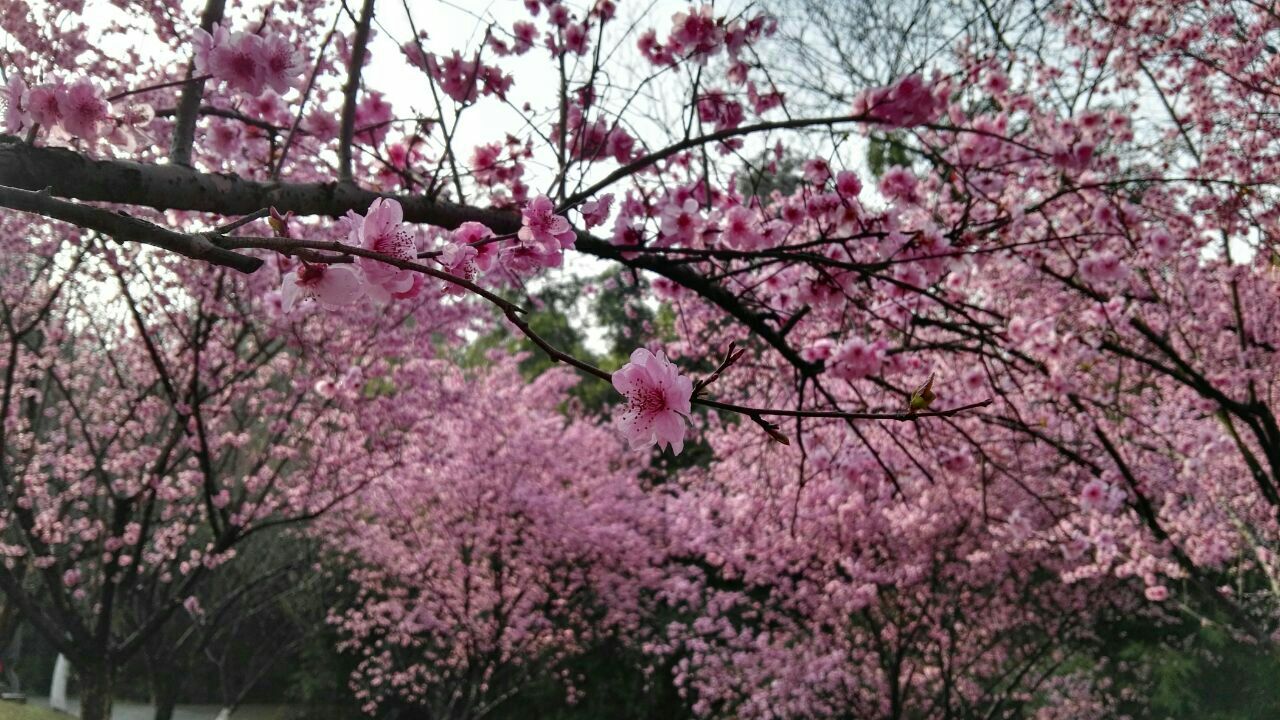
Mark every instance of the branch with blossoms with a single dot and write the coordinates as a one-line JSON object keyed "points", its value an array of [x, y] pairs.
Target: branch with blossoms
{"points": [[658, 395], [322, 277]]}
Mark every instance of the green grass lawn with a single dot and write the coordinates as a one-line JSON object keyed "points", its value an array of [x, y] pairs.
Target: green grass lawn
{"points": [[14, 711]]}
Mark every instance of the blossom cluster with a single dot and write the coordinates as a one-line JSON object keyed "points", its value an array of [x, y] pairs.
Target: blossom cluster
{"points": [[909, 102], [470, 250], [247, 62], [462, 80], [77, 108], [698, 34]]}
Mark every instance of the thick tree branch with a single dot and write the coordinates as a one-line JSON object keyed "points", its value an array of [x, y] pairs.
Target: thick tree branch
{"points": [[125, 228], [163, 187]]}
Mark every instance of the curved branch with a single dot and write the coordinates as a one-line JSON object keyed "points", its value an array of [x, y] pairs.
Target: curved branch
{"points": [[652, 158], [163, 187], [125, 228]]}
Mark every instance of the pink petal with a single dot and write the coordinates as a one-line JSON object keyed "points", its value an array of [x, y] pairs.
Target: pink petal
{"points": [[678, 396], [625, 380], [339, 286], [669, 428], [289, 291]]}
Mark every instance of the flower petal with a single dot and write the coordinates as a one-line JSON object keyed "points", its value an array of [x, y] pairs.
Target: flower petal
{"points": [[339, 286]]}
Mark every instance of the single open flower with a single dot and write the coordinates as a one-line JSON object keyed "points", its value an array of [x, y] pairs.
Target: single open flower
{"points": [[382, 230], [331, 285], [542, 228], [657, 401]]}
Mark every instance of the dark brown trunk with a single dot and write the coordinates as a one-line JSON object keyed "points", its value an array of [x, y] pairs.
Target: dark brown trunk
{"points": [[165, 700], [96, 684]]}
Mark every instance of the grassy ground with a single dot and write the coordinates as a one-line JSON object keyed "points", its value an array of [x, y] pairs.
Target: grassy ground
{"points": [[14, 711]]}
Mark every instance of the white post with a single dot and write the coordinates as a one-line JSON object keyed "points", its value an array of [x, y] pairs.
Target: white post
{"points": [[224, 714], [58, 690]]}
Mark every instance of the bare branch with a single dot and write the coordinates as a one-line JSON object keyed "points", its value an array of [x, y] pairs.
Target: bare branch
{"points": [[125, 228], [352, 88], [184, 127]]}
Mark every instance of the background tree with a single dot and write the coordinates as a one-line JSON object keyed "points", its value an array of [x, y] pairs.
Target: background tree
{"points": [[1042, 341]]}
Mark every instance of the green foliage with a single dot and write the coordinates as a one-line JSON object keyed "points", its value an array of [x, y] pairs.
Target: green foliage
{"points": [[754, 181], [14, 711], [614, 685], [884, 152], [1191, 671]]}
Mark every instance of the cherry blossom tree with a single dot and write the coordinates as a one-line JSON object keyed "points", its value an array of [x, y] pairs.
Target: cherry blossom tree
{"points": [[1022, 367], [483, 566], [155, 420]]}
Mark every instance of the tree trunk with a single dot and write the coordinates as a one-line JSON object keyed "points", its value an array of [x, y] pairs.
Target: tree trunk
{"points": [[95, 692], [224, 713], [166, 699], [165, 676]]}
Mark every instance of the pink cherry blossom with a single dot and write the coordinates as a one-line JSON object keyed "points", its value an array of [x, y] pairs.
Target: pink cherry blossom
{"points": [[192, 606], [657, 401], [457, 77], [1103, 267], [819, 350], [475, 234], [898, 183], [458, 260], [596, 212], [576, 38], [268, 106], [817, 171], [82, 110], [525, 260], [906, 103], [281, 63], [248, 62], [43, 103], [523, 34], [225, 137], [373, 118], [331, 285], [541, 228], [14, 96], [203, 43], [856, 358], [720, 109], [1162, 243], [848, 184], [1094, 495], [696, 33], [382, 230], [681, 223], [322, 124], [238, 60], [128, 128], [740, 229]]}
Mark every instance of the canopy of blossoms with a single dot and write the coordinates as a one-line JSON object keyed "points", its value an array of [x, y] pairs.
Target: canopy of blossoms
{"points": [[954, 411]]}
